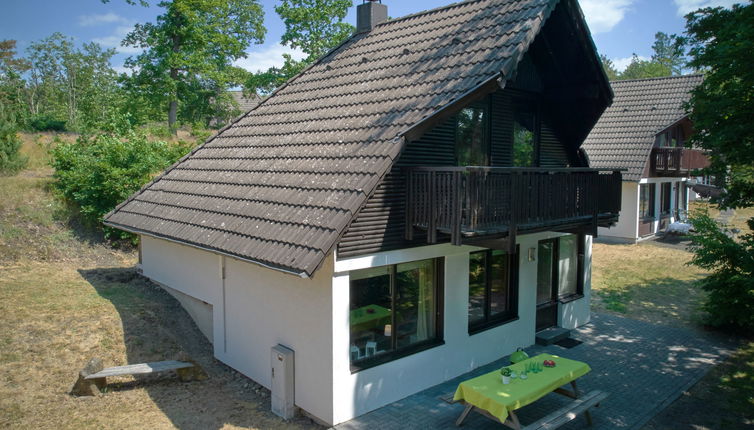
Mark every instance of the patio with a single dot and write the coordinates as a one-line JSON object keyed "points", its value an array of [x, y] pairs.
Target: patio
{"points": [[643, 366]]}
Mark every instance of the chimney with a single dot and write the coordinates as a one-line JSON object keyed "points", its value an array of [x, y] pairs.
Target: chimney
{"points": [[369, 14]]}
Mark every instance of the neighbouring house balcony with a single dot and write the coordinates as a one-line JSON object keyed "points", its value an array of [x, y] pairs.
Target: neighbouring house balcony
{"points": [[472, 202], [676, 161]]}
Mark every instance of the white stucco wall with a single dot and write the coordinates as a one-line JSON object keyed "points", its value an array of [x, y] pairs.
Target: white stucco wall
{"points": [[369, 389], [254, 309], [627, 227]]}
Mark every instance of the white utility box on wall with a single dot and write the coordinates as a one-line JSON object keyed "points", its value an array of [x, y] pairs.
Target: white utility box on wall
{"points": [[282, 386]]}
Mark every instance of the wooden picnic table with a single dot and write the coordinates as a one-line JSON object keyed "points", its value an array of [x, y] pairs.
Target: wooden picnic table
{"points": [[488, 395]]}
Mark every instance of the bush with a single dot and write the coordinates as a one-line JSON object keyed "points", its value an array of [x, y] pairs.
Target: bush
{"points": [[46, 123], [97, 174], [11, 160], [730, 287]]}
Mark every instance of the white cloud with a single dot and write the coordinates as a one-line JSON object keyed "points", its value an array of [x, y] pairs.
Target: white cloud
{"points": [[603, 15], [686, 6], [271, 56], [101, 19], [114, 40], [621, 63]]}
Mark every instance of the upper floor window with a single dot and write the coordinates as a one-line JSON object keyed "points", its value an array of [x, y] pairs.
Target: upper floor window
{"points": [[492, 288], [472, 136], [524, 134], [394, 310]]}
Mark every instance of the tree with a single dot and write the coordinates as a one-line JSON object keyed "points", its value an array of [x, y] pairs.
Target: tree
{"points": [[669, 51], [192, 46], [312, 26], [12, 84], [609, 67], [722, 107], [643, 69], [11, 160]]}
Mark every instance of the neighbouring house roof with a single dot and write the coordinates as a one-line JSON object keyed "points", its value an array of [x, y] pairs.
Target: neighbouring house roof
{"points": [[281, 185], [245, 104], [624, 135]]}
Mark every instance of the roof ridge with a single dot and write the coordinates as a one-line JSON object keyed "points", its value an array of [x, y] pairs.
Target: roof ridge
{"points": [[659, 78]]}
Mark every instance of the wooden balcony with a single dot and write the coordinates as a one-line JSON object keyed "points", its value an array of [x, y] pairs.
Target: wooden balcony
{"points": [[473, 202], [676, 161]]}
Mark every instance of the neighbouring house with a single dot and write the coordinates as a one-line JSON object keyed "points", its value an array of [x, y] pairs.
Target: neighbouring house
{"points": [[412, 206], [644, 132], [243, 104]]}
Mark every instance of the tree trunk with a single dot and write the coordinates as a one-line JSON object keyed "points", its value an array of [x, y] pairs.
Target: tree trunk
{"points": [[173, 116]]}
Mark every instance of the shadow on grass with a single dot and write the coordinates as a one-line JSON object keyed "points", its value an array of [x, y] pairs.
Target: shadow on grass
{"points": [[156, 328]]}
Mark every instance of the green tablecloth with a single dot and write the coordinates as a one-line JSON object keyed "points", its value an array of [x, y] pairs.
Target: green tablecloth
{"points": [[489, 393], [369, 317]]}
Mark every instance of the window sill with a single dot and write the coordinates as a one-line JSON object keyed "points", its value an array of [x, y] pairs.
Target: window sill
{"points": [[386, 358], [490, 325], [571, 298]]}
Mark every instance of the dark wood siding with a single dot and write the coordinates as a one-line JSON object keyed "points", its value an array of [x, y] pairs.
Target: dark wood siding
{"points": [[381, 224], [552, 153]]}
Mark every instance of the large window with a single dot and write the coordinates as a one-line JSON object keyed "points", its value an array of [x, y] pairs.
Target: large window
{"points": [[395, 310], [472, 136], [647, 200], [492, 289], [570, 249]]}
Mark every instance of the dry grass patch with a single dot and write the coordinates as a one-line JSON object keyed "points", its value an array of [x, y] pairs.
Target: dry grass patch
{"points": [[647, 282], [55, 316]]}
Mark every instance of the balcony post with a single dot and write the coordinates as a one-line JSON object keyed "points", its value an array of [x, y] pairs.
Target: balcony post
{"points": [[410, 202], [432, 222]]}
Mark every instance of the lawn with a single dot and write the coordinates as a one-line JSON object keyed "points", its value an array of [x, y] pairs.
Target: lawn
{"points": [[66, 296]]}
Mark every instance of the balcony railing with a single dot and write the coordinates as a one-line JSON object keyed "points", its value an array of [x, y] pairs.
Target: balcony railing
{"points": [[480, 201], [677, 161]]}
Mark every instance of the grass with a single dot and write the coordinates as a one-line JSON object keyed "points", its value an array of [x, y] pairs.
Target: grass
{"points": [[646, 282]]}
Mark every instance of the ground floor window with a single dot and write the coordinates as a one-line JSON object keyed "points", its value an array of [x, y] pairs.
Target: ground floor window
{"points": [[492, 289], [646, 201], [395, 310]]}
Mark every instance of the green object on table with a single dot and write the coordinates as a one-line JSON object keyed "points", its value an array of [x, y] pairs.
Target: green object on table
{"points": [[518, 356], [369, 317], [488, 392]]}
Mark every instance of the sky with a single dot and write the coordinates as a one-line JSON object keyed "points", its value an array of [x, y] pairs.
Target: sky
{"points": [[620, 28]]}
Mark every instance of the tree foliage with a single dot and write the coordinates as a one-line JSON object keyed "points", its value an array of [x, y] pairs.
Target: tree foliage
{"points": [[722, 107], [609, 67], [97, 173], [11, 160], [312, 26], [187, 62], [730, 287], [643, 69], [668, 59]]}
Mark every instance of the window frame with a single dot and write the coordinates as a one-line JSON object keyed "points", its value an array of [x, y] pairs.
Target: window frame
{"points": [[489, 322], [580, 265], [397, 353]]}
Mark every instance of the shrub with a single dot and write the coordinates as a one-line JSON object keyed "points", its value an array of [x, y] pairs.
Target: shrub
{"points": [[97, 174], [46, 123], [730, 287], [11, 160]]}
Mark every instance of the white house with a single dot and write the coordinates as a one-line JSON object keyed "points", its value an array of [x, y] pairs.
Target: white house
{"points": [[644, 132], [412, 206]]}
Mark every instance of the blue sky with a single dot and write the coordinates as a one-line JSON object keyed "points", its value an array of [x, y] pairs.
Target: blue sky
{"points": [[619, 27]]}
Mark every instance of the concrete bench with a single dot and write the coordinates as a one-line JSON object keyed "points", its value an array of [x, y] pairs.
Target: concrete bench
{"points": [[570, 411], [94, 377]]}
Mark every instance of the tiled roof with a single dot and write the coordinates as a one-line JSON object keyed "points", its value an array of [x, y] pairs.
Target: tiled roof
{"points": [[625, 134], [245, 104], [280, 185]]}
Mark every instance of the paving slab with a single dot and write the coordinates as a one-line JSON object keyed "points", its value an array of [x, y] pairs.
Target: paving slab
{"points": [[644, 367]]}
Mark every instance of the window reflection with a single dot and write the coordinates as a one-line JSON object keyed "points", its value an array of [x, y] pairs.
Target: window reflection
{"points": [[472, 142]]}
